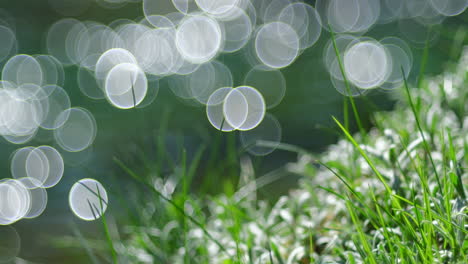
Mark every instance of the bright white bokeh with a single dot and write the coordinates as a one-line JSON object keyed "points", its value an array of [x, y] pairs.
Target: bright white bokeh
{"points": [[277, 45], [23, 69], [214, 110], [256, 107], [208, 78], [216, 7], [199, 38], [88, 199], [110, 59], [78, 131], [367, 64], [15, 201], [126, 86], [235, 108]]}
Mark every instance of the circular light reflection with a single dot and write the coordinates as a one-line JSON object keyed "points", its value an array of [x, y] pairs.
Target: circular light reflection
{"points": [[88, 199], [263, 139], [277, 45], [78, 131]]}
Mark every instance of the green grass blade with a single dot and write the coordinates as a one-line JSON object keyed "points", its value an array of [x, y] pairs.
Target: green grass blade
{"points": [[348, 89], [364, 155], [418, 124], [362, 237]]}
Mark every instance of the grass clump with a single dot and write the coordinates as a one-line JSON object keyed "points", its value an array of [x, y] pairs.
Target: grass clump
{"points": [[398, 198]]}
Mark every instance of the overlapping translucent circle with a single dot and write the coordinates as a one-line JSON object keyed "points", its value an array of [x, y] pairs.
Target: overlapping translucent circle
{"points": [[55, 164], [449, 7], [156, 52], [87, 82], [58, 101], [37, 165], [151, 94], [21, 198], [241, 108], [151, 7], [77, 41], [15, 201], [18, 162], [277, 45], [207, 78], [418, 33], [256, 107], [273, 9], [269, 82], [305, 20], [237, 31], [400, 62], [217, 7], [185, 6], [110, 59], [263, 139], [349, 16], [52, 70], [38, 197], [330, 57], [88, 199], [367, 64], [18, 140], [23, 69], [126, 85], [78, 159], [199, 38], [214, 109], [235, 108], [180, 86], [78, 131], [57, 39], [42, 166], [23, 110]]}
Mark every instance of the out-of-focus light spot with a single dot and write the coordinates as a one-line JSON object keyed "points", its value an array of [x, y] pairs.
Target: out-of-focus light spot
{"points": [[88, 199]]}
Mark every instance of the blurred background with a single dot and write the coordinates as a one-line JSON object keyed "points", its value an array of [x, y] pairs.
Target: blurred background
{"points": [[132, 135]]}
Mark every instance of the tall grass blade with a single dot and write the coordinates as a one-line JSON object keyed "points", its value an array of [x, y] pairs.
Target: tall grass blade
{"points": [[348, 89], [418, 124]]}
